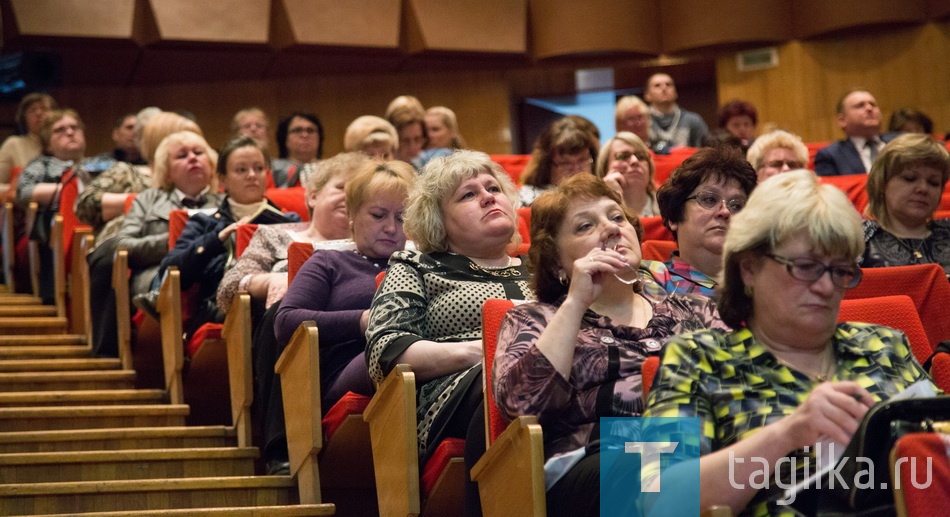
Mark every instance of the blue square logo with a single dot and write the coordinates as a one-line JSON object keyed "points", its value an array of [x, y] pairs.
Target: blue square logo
{"points": [[649, 466]]}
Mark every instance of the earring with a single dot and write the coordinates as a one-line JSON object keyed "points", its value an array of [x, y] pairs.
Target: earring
{"points": [[562, 277], [748, 291]]}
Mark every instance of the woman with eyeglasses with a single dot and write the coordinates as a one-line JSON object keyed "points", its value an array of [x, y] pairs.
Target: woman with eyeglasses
{"points": [[626, 164], [565, 148], [697, 203], [905, 186], [299, 142], [789, 376], [777, 152]]}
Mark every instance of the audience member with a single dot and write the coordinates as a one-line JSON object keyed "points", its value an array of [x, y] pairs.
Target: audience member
{"points": [[63, 138], [904, 189], [906, 120], [442, 129], [427, 313], [126, 147], [411, 127], [789, 376], [860, 118], [372, 136], [633, 115], [299, 142], [626, 165], [404, 102], [672, 126], [183, 177], [561, 150], [575, 355], [775, 152], [251, 122], [698, 203], [102, 203], [25, 145], [739, 118]]}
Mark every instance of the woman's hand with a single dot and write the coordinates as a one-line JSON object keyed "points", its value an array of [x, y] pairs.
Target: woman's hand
{"points": [[231, 228], [364, 321], [587, 274], [833, 410], [269, 286]]}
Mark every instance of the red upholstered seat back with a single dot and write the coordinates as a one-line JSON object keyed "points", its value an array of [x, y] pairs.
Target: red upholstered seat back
{"points": [[854, 186], [653, 229], [648, 371], [297, 254], [67, 205], [891, 311], [493, 312], [657, 250], [667, 163], [513, 164], [245, 233], [920, 451], [177, 219], [290, 199]]}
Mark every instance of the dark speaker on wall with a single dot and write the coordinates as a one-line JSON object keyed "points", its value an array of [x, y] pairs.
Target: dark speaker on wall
{"points": [[29, 71]]}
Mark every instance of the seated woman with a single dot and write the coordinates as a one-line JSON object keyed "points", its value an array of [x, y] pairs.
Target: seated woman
{"points": [[18, 149], [563, 149], [552, 357], [335, 288], [739, 118], [427, 313], [775, 152], [262, 268], [626, 164], [372, 136], [299, 143], [208, 244], [904, 186], [697, 203], [789, 375]]}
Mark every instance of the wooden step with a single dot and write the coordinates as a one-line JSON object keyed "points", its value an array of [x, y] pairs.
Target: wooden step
{"points": [[91, 417], [81, 397], [149, 494], [43, 351], [19, 299], [53, 381], [37, 325], [117, 439], [58, 365], [299, 510], [26, 311], [42, 340], [56, 467]]}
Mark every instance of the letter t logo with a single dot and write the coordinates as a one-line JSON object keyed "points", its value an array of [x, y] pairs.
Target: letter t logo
{"points": [[649, 453]]}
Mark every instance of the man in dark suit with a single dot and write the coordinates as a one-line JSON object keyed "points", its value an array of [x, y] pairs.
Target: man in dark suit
{"points": [[860, 118]]}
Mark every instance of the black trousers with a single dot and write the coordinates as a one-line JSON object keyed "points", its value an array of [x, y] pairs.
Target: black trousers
{"points": [[105, 339]]}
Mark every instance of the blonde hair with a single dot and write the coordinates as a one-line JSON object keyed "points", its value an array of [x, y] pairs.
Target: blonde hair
{"points": [[778, 209], [603, 158], [451, 123], [375, 178], [317, 175], [407, 102], [160, 167], [236, 121], [630, 101], [368, 130], [159, 127], [424, 222], [777, 139], [902, 152]]}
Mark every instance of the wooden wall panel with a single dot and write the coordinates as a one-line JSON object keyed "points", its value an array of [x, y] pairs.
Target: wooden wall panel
{"points": [[561, 28], [939, 9], [690, 25], [489, 26], [350, 23], [220, 21], [901, 67], [818, 17], [108, 19]]}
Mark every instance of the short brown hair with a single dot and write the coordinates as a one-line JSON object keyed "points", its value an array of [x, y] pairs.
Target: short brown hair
{"points": [[547, 215], [563, 136], [902, 152]]}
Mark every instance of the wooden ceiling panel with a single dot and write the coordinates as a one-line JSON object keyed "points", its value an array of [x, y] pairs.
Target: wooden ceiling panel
{"points": [[691, 25], [99, 19], [565, 28], [820, 17], [472, 26], [218, 21], [336, 23]]}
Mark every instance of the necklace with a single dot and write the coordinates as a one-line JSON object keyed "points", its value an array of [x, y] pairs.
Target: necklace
{"points": [[493, 268], [915, 250], [374, 261]]}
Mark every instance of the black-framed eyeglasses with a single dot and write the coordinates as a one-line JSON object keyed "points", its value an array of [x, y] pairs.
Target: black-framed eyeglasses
{"points": [[712, 201], [810, 270], [303, 131]]}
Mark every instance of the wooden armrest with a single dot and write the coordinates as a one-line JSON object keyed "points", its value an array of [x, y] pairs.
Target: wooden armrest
{"points": [[237, 336], [173, 353], [391, 416], [510, 475]]}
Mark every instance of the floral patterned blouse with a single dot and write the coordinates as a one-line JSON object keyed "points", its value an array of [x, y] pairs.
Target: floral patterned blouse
{"points": [[736, 386], [882, 248], [605, 377]]}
